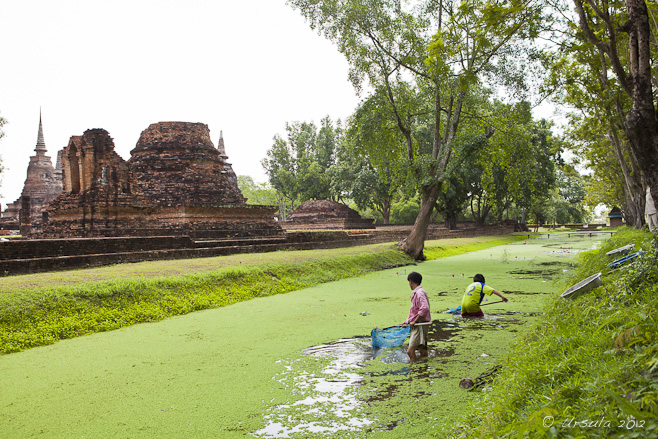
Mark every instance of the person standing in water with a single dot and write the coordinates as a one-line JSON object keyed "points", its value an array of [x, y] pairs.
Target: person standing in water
{"points": [[418, 313], [473, 296]]}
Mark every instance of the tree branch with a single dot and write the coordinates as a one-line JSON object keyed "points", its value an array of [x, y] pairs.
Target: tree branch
{"points": [[388, 53], [609, 49]]}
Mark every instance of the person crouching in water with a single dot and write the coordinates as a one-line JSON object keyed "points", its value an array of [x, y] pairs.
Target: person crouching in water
{"points": [[419, 312], [473, 296]]}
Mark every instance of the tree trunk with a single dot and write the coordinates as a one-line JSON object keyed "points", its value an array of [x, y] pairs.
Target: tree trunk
{"points": [[386, 211], [641, 124], [451, 222], [632, 189], [414, 244], [485, 212], [634, 210], [476, 216]]}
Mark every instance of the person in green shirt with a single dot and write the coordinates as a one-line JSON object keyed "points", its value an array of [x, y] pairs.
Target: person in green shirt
{"points": [[473, 296]]}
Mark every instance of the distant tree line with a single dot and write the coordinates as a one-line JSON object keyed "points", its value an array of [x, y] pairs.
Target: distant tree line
{"points": [[333, 163]]}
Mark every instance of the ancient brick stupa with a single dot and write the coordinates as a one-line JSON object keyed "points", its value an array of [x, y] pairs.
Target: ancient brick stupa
{"points": [[326, 214], [42, 185], [175, 183]]}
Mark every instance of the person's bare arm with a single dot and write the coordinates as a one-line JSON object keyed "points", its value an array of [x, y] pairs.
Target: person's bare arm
{"points": [[500, 295]]}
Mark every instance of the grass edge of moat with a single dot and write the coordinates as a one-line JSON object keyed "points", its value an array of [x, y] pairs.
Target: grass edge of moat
{"points": [[588, 368], [42, 316]]}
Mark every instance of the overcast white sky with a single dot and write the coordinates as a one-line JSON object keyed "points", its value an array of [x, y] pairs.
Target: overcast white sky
{"points": [[244, 67]]}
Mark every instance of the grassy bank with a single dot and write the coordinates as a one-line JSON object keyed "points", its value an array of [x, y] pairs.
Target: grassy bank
{"points": [[34, 313], [589, 367]]}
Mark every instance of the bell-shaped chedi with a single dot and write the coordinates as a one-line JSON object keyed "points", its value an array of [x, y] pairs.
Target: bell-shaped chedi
{"points": [[175, 183], [326, 214], [176, 164]]}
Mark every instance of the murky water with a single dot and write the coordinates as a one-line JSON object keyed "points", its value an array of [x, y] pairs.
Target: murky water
{"points": [[334, 398]]}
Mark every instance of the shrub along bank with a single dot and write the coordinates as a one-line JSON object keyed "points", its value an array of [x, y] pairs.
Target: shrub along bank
{"points": [[39, 316], [589, 367]]}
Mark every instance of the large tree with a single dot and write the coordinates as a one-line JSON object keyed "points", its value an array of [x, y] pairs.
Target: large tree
{"points": [[583, 81], [443, 49], [621, 34]]}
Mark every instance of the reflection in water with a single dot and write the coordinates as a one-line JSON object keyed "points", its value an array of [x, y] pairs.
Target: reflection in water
{"points": [[330, 399], [329, 404], [336, 397]]}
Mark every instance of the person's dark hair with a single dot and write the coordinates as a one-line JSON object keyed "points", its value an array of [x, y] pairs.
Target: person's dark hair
{"points": [[478, 278], [415, 277]]}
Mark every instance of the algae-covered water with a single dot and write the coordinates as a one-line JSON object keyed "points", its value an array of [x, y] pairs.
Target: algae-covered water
{"points": [[292, 365]]}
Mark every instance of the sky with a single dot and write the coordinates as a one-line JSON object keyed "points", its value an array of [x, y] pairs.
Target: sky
{"points": [[243, 67]]}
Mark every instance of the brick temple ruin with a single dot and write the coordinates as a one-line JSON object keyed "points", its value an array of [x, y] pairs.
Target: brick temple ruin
{"points": [[326, 214], [42, 185], [176, 197], [175, 183]]}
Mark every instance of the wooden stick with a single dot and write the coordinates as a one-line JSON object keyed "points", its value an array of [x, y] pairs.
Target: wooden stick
{"points": [[485, 304], [415, 324]]}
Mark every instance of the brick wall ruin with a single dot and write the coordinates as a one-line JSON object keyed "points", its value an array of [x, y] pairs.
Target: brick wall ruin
{"points": [[326, 214]]}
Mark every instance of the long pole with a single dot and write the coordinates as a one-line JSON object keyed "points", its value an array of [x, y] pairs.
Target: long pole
{"points": [[485, 304]]}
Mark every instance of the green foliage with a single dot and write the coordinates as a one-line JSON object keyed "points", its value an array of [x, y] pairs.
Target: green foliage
{"points": [[298, 167], [374, 153], [257, 193], [588, 369], [428, 64], [39, 317], [405, 210], [264, 194], [590, 77]]}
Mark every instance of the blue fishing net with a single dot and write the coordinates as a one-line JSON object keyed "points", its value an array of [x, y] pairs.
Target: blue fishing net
{"points": [[389, 337]]}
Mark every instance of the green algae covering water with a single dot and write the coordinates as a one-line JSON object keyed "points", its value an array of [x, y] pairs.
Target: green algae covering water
{"points": [[294, 365], [361, 391]]}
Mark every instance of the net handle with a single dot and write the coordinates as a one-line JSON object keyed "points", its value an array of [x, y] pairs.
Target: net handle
{"points": [[415, 324]]}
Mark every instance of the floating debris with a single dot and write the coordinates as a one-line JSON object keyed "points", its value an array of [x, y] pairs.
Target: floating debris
{"points": [[480, 381]]}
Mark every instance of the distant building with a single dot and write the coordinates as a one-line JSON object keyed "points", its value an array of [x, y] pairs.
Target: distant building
{"points": [[42, 185], [228, 168], [616, 217]]}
